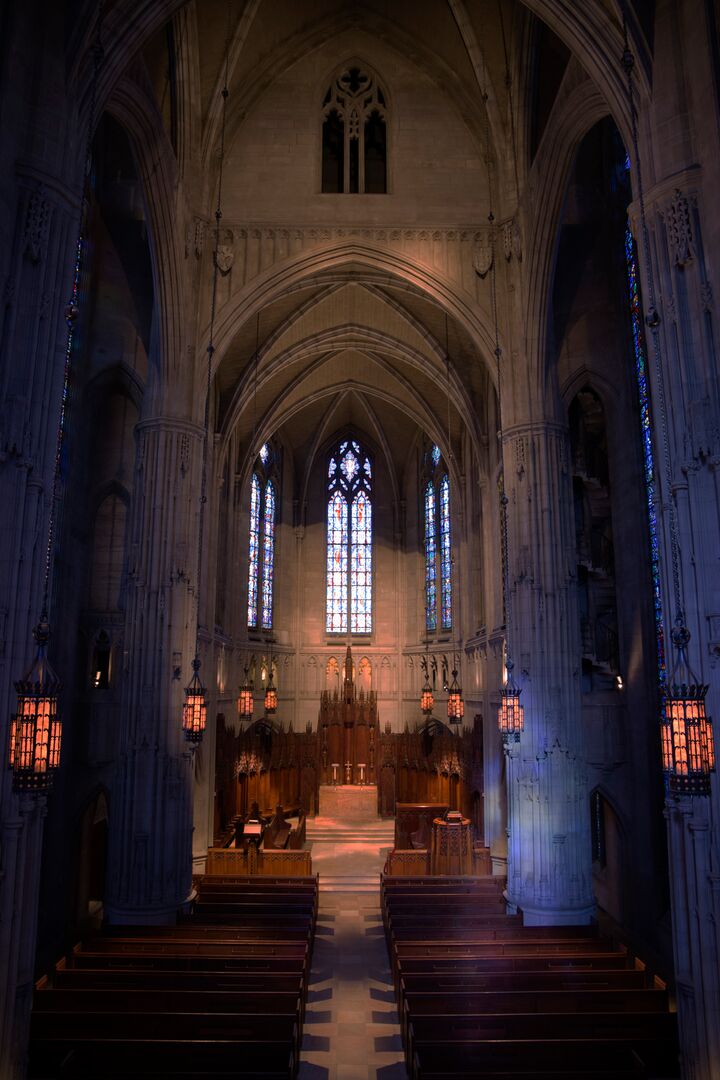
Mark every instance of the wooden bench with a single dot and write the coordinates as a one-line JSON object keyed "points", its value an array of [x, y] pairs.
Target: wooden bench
{"points": [[433, 1060], [97, 1058]]}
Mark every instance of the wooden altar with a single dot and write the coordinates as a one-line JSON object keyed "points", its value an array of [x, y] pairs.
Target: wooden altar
{"points": [[348, 732]]}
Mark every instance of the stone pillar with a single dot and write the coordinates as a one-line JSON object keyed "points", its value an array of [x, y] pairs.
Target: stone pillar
{"points": [[150, 855], [688, 333], [549, 853], [695, 878]]}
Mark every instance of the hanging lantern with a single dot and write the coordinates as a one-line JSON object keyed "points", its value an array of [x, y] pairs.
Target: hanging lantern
{"points": [[688, 746], [511, 714], [271, 701], [427, 701], [245, 700], [455, 705], [194, 709], [36, 730]]}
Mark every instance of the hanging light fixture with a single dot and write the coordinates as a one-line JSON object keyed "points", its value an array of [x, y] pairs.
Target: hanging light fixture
{"points": [[688, 747], [36, 727], [245, 699], [688, 750], [195, 707], [455, 705], [271, 699], [511, 714], [427, 701]]}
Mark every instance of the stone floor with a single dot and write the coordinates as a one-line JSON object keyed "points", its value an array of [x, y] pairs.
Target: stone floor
{"points": [[351, 1025]]}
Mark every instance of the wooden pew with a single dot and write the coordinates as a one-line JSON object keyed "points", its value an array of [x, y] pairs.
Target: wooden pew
{"points": [[97, 1058]]}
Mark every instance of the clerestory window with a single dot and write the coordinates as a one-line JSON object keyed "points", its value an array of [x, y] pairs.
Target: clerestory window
{"points": [[354, 135]]}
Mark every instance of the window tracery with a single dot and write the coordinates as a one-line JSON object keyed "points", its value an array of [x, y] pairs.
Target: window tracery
{"points": [[354, 134]]}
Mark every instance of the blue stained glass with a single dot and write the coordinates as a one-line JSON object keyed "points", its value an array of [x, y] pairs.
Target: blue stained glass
{"points": [[435, 454], [350, 466], [332, 468], [337, 565], [361, 565], [445, 555], [641, 374], [430, 557], [268, 556], [252, 608]]}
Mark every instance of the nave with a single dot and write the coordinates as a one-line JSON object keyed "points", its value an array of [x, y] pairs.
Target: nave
{"points": [[352, 975]]}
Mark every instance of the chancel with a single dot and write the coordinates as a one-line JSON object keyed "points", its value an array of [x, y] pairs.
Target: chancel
{"points": [[360, 606]]}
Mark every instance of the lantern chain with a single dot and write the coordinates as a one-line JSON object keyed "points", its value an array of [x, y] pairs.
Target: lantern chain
{"points": [[211, 341], [71, 314], [653, 322]]}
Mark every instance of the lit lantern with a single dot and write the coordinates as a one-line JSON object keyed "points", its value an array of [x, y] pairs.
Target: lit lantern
{"points": [[36, 730], [688, 746], [194, 709], [427, 701], [271, 701], [245, 700], [455, 705], [511, 714]]}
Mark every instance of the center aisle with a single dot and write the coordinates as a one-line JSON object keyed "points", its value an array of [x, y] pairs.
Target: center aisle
{"points": [[351, 1029]]}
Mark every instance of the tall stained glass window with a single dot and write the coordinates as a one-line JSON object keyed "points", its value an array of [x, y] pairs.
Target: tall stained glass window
{"points": [[430, 557], [445, 554], [349, 540], [641, 374], [254, 553], [438, 558], [261, 553]]}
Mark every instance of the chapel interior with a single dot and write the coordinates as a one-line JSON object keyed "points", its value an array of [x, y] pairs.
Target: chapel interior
{"points": [[359, 455]]}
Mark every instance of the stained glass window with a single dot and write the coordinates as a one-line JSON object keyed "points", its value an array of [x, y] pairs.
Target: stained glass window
{"points": [[361, 565], [445, 554], [438, 544], [261, 560], [641, 375], [430, 557], [268, 556], [349, 541], [254, 553]]}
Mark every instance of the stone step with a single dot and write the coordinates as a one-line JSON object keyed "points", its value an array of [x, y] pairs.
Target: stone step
{"points": [[364, 883]]}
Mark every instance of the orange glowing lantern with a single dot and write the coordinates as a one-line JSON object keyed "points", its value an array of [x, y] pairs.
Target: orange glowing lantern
{"points": [[688, 746], [455, 705], [245, 700], [511, 714], [36, 730], [427, 701], [194, 709], [271, 700]]}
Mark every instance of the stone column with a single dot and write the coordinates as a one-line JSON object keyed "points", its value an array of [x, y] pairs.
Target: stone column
{"points": [[549, 854], [688, 333], [695, 877], [150, 855]]}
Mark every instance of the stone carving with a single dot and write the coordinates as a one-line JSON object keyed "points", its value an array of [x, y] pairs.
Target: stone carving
{"points": [[483, 254], [225, 255], [706, 296], [36, 224], [512, 241], [679, 229]]}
